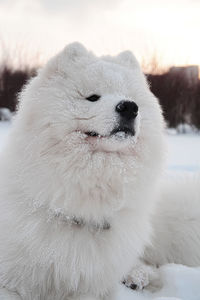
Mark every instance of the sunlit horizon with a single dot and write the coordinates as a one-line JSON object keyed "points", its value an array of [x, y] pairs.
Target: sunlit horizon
{"points": [[164, 31]]}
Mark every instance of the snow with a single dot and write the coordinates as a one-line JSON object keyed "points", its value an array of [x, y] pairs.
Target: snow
{"points": [[179, 282], [183, 152], [4, 129], [5, 114]]}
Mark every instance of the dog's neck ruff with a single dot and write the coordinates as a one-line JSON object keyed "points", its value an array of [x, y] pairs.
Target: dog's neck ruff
{"points": [[80, 222]]}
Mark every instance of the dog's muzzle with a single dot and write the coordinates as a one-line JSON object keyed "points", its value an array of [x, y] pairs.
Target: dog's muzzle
{"points": [[127, 112]]}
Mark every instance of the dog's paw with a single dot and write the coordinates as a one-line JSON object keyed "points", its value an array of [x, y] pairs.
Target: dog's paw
{"points": [[143, 276], [137, 279]]}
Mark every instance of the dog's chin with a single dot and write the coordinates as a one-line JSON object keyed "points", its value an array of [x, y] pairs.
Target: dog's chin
{"points": [[118, 140]]}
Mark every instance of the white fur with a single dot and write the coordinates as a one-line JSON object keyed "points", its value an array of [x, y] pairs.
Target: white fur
{"points": [[51, 166], [176, 223], [176, 234]]}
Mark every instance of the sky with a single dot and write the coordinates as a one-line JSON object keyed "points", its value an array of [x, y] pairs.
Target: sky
{"points": [[166, 31]]}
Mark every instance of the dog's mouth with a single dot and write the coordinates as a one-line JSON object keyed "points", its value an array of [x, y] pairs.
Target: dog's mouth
{"points": [[119, 132], [123, 131], [93, 134]]}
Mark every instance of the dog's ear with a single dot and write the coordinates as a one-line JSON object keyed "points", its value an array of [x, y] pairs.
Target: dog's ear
{"points": [[72, 54], [127, 59]]}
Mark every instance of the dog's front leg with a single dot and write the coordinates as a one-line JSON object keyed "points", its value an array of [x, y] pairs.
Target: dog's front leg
{"points": [[8, 295]]}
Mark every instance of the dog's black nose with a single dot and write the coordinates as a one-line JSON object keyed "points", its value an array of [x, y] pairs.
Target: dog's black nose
{"points": [[127, 109]]}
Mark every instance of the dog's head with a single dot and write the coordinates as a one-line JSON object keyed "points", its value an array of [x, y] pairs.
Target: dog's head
{"points": [[103, 103], [90, 123]]}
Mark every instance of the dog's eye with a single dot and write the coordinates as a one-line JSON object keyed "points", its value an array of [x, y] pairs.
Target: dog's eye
{"points": [[93, 98]]}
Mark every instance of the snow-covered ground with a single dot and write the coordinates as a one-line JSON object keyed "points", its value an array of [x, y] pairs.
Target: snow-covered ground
{"points": [[180, 282], [4, 129], [184, 152]]}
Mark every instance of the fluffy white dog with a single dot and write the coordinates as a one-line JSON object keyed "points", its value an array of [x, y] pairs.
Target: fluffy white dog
{"points": [[79, 178]]}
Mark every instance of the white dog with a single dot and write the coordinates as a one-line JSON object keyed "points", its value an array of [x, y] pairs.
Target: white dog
{"points": [[79, 178]]}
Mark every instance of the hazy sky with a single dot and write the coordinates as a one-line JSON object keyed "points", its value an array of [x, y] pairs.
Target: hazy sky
{"points": [[169, 29]]}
